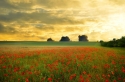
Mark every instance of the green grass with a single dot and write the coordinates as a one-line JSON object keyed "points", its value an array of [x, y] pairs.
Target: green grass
{"points": [[40, 43]]}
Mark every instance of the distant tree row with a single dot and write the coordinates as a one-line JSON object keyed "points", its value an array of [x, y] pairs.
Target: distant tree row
{"points": [[114, 43], [66, 38]]}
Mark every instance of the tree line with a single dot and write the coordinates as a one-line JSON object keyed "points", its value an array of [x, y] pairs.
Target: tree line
{"points": [[114, 43], [66, 38]]}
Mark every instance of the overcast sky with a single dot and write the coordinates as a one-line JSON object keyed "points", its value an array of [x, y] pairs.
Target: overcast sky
{"points": [[41, 19]]}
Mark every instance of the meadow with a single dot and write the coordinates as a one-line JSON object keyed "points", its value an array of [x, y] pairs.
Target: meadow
{"points": [[44, 43], [76, 62]]}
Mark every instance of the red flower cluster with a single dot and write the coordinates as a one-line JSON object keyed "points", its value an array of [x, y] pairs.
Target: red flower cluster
{"points": [[58, 64]]}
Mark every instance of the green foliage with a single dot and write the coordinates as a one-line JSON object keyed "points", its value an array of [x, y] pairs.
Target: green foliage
{"points": [[114, 43]]}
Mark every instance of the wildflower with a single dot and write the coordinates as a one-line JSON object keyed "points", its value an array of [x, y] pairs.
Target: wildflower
{"points": [[108, 75], [103, 76], [84, 72], [113, 62], [81, 79], [72, 76], [106, 66], [89, 76], [42, 79], [94, 67], [112, 72], [5, 75], [119, 78], [31, 67], [9, 66], [106, 80], [4, 67], [16, 69], [87, 80], [97, 76], [29, 72], [49, 79], [27, 80], [78, 65], [123, 69], [23, 73], [18, 80], [114, 81], [124, 80]]}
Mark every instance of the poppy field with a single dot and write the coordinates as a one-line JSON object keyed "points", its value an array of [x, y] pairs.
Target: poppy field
{"points": [[62, 64]]}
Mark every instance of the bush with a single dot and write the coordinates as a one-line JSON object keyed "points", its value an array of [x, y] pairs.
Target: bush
{"points": [[114, 43]]}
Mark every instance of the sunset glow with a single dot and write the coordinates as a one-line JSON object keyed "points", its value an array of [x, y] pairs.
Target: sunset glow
{"points": [[37, 20]]}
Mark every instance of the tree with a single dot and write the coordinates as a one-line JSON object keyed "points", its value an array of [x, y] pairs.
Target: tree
{"points": [[114, 43], [64, 38], [49, 39], [83, 38]]}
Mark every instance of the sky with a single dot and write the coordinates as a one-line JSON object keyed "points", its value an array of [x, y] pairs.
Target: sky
{"points": [[38, 20]]}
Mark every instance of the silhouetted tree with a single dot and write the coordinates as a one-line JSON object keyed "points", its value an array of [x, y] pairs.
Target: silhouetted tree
{"points": [[101, 41], [50, 39], [83, 38], [63, 38], [114, 43]]}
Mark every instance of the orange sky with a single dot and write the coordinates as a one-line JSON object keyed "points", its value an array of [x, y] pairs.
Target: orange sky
{"points": [[41, 19]]}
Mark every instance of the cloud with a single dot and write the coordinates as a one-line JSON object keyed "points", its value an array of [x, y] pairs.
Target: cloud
{"points": [[46, 18], [6, 4], [58, 3], [41, 19], [16, 4], [7, 29], [44, 28], [118, 2]]}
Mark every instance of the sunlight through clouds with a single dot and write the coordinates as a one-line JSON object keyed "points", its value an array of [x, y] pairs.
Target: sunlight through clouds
{"points": [[42, 19]]}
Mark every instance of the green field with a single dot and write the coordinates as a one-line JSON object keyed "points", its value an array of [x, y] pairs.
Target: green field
{"points": [[41, 43]]}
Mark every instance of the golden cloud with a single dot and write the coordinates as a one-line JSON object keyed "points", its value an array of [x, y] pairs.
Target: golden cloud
{"points": [[41, 19]]}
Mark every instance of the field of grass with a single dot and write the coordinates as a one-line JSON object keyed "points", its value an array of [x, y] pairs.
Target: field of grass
{"points": [[61, 64], [40, 43], [35, 61]]}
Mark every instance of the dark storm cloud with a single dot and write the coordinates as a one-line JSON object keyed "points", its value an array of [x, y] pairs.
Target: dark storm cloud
{"points": [[6, 29]]}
